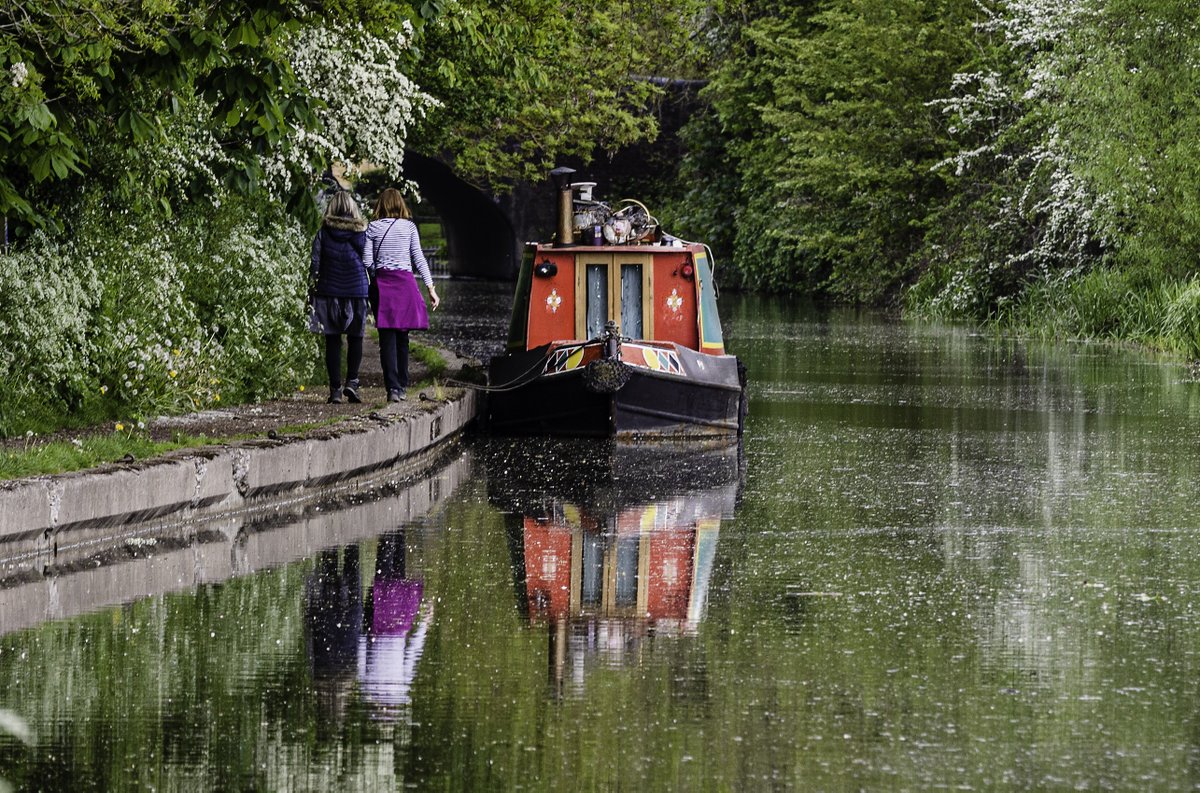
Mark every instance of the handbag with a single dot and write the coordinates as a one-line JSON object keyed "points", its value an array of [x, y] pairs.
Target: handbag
{"points": [[314, 322], [372, 284]]}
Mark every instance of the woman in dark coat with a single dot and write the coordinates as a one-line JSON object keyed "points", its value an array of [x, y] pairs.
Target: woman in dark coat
{"points": [[339, 279]]}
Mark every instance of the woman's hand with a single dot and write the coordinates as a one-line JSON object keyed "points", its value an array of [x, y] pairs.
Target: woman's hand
{"points": [[433, 298]]}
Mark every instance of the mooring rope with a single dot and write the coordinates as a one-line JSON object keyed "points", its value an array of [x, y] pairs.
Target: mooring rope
{"points": [[512, 384]]}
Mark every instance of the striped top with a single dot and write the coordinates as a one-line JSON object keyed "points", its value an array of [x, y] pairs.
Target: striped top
{"points": [[393, 244]]}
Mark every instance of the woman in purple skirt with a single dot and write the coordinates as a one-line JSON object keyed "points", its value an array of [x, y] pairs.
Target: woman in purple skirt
{"points": [[393, 251]]}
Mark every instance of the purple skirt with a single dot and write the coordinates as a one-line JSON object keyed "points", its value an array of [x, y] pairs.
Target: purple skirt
{"points": [[401, 305], [396, 605]]}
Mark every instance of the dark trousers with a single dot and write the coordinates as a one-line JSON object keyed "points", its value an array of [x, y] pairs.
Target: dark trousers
{"points": [[333, 358], [393, 357]]}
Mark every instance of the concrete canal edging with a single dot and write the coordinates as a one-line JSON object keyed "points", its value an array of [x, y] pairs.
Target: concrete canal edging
{"points": [[200, 483], [160, 557]]}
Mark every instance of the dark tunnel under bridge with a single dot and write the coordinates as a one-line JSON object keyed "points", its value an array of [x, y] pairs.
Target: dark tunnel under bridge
{"points": [[481, 237]]}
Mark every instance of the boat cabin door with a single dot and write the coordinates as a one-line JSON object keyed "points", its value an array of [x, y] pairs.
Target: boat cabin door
{"points": [[617, 287]]}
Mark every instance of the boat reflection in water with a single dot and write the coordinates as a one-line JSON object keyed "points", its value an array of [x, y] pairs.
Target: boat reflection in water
{"points": [[611, 545], [372, 643]]}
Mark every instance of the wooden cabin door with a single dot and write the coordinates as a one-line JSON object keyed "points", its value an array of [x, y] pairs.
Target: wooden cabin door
{"points": [[613, 287]]}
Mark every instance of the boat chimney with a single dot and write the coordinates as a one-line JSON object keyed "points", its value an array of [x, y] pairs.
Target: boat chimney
{"points": [[566, 211]]}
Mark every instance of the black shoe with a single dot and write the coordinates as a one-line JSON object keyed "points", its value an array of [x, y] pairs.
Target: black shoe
{"points": [[335, 395], [351, 391], [395, 396]]}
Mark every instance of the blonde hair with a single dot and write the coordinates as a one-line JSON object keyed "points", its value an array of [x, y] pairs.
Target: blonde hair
{"points": [[343, 205], [390, 204]]}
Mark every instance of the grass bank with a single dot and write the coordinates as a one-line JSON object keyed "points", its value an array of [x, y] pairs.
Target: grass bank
{"points": [[1112, 305], [1139, 306], [75, 443]]}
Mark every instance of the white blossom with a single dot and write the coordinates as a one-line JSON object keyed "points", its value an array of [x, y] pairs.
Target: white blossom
{"points": [[985, 108], [20, 73], [368, 102]]}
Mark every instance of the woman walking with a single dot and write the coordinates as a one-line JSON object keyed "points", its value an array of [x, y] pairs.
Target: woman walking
{"points": [[339, 276], [393, 251]]}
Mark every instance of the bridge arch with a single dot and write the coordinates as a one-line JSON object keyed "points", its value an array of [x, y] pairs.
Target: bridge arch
{"points": [[480, 239]]}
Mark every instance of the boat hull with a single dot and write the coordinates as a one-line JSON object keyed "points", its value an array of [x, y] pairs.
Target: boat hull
{"points": [[695, 395]]}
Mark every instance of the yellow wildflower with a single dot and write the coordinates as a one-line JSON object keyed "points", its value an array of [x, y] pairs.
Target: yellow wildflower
{"points": [[120, 426]]}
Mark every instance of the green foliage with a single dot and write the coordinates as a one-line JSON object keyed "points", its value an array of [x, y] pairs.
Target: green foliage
{"points": [[703, 202], [832, 139], [82, 72], [1079, 173], [524, 84], [1131, 118], [1114, 304], [1031, 163], [152, 318]]}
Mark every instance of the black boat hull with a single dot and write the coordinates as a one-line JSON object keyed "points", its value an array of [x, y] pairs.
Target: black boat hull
{"points": [[705, 398]]}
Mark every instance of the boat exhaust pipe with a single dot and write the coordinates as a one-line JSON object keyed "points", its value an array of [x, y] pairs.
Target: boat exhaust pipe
{"points": [[566, 210]]}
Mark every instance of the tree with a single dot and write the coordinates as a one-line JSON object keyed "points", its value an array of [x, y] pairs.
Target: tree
{"points": [[1129, 120], [522, 84], [825, 110], [81, 72]]}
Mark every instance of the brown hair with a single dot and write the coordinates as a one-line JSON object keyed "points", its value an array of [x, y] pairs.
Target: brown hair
{"points": [[390, 204]]}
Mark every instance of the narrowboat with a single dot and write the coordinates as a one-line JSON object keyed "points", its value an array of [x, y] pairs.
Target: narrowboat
{"points": [[614, 332]]}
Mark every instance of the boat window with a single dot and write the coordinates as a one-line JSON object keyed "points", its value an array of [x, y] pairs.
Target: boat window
{"points": [[593, 572], [597, 299], [627, 571], [631, 300]]}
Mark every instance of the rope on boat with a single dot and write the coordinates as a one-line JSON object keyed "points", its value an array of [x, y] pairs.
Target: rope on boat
{"points": [[520, 380], [609, 333]]}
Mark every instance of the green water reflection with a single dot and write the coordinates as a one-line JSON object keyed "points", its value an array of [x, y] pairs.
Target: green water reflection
{"points": [[943, 560]]}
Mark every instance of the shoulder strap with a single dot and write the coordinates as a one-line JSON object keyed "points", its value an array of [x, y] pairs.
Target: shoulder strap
{"points": [[381, 239]]}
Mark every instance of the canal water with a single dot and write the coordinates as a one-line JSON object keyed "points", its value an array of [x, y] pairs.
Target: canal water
{"points": [[941, 559]]}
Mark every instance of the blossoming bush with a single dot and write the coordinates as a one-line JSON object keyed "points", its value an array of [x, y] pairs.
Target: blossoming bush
{"points": [[366, 102], [47, 293], [1023, 211], [184, 285], [1076, 174], [250, 283], [153, 318]]}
